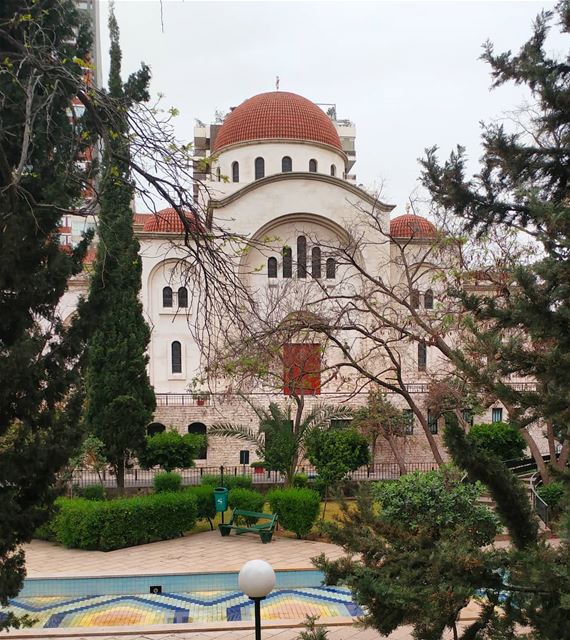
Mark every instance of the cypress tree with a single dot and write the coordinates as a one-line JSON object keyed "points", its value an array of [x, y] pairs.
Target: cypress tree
{"points": [[120, 399], [43, 46]]}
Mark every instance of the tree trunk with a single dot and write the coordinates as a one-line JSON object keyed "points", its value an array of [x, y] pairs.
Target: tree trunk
{"points": [[535, 452], [563, 457], [120, 476], [393, 442], [431, 440]]}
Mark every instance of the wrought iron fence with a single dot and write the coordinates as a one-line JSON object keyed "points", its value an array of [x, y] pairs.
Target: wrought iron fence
{"points": [[142, 478]]}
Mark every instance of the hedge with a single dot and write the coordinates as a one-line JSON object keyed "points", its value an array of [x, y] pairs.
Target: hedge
{"points": [[167, 481], [230, 482], [114, 524], [552, 494], [247, 500], [204, 495], [92, 492], [297, 509]]}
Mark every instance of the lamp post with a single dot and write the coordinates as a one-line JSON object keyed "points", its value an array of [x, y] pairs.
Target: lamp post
{"points": [[256, 579]]}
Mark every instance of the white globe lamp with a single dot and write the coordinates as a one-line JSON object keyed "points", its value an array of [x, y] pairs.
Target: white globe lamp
{"points": [[257, 579]]}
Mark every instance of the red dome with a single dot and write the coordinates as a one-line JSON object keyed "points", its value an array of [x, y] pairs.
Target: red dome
{"points": [[168, 220], [411, 226], [277, 114]]}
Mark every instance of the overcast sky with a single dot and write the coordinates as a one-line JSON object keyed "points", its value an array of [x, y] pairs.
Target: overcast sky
{"points": [[407, 73]]}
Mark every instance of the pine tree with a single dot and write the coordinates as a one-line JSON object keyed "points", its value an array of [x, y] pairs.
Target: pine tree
{"points": [[120, 399], [43, 45]]}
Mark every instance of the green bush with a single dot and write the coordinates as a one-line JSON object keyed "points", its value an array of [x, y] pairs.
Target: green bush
{"points": [[204, 495], [230, 482], [436, 502], [300, 480], [552, 494], [93, 492], [170, 450], [298, 509], [498, 438], [247, 500], [167, 481], [114, 524]]}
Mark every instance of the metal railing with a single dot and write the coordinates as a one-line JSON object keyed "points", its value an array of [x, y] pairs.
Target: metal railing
{"points": [[524, 465], [142, 478], [539, 505]]}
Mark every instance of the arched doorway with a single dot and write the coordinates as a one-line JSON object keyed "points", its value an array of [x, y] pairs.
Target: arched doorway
{"points": [[154, 428], [199, 428]]}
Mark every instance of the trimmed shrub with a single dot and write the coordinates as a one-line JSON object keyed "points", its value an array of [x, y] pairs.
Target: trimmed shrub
{"points": [[552, 494], [248, 500], [298, 509], [114, 524], [93, 492], [498, 438], [170, 450], [300, 480], [204, 495], [230, 482], [167, 481]]}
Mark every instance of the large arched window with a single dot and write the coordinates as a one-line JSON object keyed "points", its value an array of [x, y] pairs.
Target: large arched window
{"points": [[218, 174], [259, 168], [316, 262], [176, 357], [272, 268], [199, 429], [428, 299], [422, 356], [235, 171], [167, 297], [313, 165], [331, 268], [333, 170], [301, 257], [286, 164], [415, 299], [287, 262], [183, 297], [154, 428]]}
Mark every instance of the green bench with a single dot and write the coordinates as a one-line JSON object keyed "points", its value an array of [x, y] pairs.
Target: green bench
{"points": [[264, 530]]}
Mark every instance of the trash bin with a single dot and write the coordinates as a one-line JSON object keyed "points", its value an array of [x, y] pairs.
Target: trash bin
{"points": [[221, 498]]}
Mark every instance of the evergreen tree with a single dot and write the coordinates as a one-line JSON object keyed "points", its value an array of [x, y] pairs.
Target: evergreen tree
{"points": [[43, 45], [120, 399]]}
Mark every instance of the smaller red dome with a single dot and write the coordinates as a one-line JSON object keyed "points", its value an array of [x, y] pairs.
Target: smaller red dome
{"points": [[412, 226], [168, 221]]}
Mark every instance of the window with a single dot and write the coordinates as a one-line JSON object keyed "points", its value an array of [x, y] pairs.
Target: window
{"points": [[167, 297], [259, 168], [333, 170], [428, 299], [183, 297], [272, 268], [316, 262], [244, 456], [176, 355], [415, 299], [409, 422], [154, 428], [340, 424], [301, 257], [331, 269], [422, 356], [432, 422], [218, 174], [286, 164], [302, 369], [287, 262], [199, 429], [313, 165], [497, 414], [235, 171]]}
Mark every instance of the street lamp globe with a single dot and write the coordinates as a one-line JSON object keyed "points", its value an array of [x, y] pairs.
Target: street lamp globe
{"points": [[256, 578]]}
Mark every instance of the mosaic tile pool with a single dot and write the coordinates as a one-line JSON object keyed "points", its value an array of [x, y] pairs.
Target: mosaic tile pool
{"points": [[178, 608]]}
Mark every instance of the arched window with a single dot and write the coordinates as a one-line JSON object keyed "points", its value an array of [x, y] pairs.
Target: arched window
{"points": [[176, 356], [331, 268], [167, 297], [287, 262], [218, 174], [313, 165], [259, 168], [316, 262], [183, 297], [301, 257], [286, 164], [272, 268], [415, 299], [154, 428], [422, 356], [333, 170], [428, 299], [199, 429], [235, 171]]}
